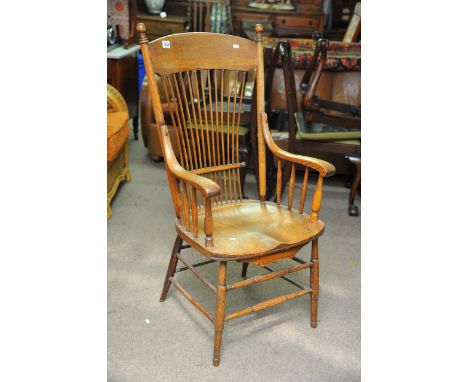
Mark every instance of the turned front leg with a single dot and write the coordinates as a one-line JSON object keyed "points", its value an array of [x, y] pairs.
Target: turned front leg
{"points": [[314, 284], [219, 314]]}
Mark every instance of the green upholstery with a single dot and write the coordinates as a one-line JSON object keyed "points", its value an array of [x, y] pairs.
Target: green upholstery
{"points": [[319, 132]]}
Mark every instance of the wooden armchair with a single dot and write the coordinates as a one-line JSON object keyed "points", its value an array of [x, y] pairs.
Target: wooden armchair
{"points": [[212, 215], [322, 125]]}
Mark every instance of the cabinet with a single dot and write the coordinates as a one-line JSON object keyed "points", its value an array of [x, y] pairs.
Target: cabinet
{"points": [[301, 22], [156, 26]]}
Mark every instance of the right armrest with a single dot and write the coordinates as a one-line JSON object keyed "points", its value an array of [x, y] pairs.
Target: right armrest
{"points": [[206, 186]]}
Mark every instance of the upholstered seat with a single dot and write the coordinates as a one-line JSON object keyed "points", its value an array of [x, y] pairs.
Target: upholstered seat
{"points": [[316, 131], [117, 133], [250, 228]]}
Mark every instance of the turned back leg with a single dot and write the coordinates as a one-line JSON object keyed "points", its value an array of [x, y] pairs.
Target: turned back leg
{"points": [[171, 267]]}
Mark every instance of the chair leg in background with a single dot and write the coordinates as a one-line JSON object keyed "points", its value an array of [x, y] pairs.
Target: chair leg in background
{"points": [[219, 314], [244, 269], [353, 210], [172, 267], [314, 284], [135, 128]]}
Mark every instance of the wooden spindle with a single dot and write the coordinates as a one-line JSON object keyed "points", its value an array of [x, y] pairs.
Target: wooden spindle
{"points": [[211, 120], [207, 124], [267, 304], [239, 115], [317, 200], [292, 184], [195, 126], [279, 182], [194, 213], [223, 158], [170, 101], [200, 119], [186, 204], [190, 125], [218, 155], [208, 224], [178, 125], [181, 123], [303, 190]]}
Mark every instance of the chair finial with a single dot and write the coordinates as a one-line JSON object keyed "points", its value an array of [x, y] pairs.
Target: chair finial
{"points": [[258, 31], [141, 29]]}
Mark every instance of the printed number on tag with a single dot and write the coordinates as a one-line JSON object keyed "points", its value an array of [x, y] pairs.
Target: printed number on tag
{"points": [[166, 44]]}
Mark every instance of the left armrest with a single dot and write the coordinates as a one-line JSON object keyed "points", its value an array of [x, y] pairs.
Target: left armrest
{"points": [[324, 168]]}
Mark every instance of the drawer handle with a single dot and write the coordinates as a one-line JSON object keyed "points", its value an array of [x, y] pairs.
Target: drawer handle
{"points": [[283, 21]]}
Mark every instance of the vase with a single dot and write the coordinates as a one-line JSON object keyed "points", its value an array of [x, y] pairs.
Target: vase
{"points": [[154, 6]]}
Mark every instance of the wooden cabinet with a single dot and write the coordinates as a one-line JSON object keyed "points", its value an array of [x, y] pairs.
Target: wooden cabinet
{"points": [[305, 19], [297, 25], [156, 26]]}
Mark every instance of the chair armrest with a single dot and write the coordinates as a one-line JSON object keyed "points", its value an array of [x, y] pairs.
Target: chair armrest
{"points": [[324, 168], [206, 186]]}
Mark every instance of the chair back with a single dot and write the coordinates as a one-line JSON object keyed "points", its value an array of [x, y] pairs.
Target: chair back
{"points": [[204, 77]]}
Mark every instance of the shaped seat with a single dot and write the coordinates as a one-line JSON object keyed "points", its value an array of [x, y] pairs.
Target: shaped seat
{"points": [[250, 229]]}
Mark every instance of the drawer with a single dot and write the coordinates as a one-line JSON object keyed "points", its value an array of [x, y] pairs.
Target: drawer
{"points": [[163, 29], [237, 18], [297, 22]]}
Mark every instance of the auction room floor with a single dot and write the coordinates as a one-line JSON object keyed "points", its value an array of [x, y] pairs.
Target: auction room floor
{"points": [[171, 341]]}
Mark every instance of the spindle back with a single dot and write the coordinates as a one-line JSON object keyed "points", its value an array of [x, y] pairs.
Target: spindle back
{"points": [[204, 77]]}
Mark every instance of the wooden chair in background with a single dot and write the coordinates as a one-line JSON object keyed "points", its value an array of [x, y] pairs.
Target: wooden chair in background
{"points": [[209, 16], [322, 125], [212, 215]]}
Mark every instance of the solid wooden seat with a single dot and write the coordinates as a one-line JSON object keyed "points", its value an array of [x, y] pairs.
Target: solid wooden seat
{"points": [[251, 229], [204, 77]]}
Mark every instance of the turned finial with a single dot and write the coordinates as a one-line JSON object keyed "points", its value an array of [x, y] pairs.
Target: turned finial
{"points": [[141, 29], [258, 31]]}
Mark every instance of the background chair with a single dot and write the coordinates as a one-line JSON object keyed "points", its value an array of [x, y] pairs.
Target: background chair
{"points": [[213, 217], [209, 16], [320, 125], [117, 144]]}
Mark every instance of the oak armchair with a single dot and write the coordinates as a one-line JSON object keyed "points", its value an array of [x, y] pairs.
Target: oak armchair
{"points": [[212, 215]]}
